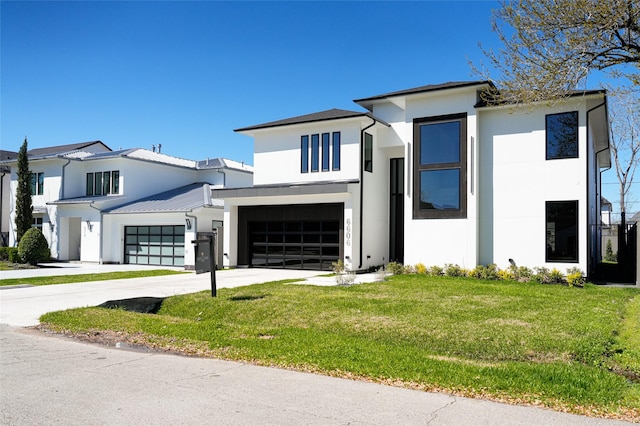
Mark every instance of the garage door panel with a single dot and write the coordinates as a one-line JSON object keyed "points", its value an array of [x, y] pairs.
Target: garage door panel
{"points": [[154, 245]]}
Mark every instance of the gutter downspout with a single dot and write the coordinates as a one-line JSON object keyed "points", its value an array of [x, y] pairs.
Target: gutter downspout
{"points": [[362, 183], [224, 178], [61, 196], [591, 268]]}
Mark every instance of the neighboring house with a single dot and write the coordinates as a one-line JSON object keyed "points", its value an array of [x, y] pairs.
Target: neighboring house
{"points": [[609, 229], [5, 196], [128, 206], [427, 175]]}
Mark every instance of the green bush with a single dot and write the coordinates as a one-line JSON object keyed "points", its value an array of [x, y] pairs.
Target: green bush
{"points": [[33, 247], [395, 268], [4, 253], [575, 277], [609, 255], [435, 271], [12, 255], [451, 270], [420, 268], [489, 272]]}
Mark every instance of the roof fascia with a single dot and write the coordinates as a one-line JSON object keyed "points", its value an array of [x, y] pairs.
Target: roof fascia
{"points": [[360, 118]]}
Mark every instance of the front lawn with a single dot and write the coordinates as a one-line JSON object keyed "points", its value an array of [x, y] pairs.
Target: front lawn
{"points": [[571, 349]]}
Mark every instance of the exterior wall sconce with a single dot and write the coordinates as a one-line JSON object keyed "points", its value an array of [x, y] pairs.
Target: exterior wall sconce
{"points": [[89, 225], [188, 222]]}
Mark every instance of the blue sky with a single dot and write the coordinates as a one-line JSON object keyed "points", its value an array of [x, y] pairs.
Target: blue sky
{"points": [[185, 74]]}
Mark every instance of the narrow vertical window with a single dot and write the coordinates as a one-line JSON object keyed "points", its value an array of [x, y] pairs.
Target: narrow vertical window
{"points": [[335, 150], [89, 183], [33, 183], [97, 184], [304, 154], [315, 152], [562, 231], [325, 152], [115, 182], [106, 183], [40, 183], [368, 152]]}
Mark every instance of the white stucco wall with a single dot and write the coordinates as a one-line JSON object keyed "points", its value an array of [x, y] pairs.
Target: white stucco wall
{"points": [[277, 153], [435, 241], [516, 180]]}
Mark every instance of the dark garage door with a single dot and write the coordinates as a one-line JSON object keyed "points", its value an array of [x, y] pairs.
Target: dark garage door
{"points": [[296, 244], [293, 236], [154, 245]]}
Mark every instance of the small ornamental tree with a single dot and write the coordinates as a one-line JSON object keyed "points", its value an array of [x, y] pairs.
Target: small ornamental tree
{"points": [[609, 256], [33, 247], [24, 212]]}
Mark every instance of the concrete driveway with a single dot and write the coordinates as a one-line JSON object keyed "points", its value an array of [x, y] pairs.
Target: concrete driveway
{"points": [[23, 306]]}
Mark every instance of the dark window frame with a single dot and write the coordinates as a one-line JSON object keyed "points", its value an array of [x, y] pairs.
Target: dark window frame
{"points": [[461, 165], [368, 153], [304, 154], [315, 152], [325, 152], [89, 184], [335, 154], [553, 242], [549, 155], [115, 181]]}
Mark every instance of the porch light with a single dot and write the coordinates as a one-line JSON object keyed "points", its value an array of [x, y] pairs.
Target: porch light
{"points": [[188, 221]]}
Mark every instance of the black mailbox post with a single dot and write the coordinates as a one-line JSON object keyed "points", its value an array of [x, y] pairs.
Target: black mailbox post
{"points": [[206, 259]]}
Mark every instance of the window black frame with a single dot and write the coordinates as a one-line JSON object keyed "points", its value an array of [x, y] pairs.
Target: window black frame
{"points": [[547, 129], [325, 152], [315, 152], [102, 183], [461, 165], [368, 153], [335, 151], [304, 154], [550, 256]]}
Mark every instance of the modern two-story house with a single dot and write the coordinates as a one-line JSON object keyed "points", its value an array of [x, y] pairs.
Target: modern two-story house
{"points": [[132, 206], [428, 175]]}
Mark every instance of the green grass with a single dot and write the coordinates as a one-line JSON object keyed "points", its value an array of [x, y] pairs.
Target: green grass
{"points": [[80, 278], [574, 349]]}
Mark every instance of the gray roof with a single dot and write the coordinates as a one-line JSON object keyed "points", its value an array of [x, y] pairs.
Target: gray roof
{"points": [[183, 199], [8, 155], [88, 199], [423, 89], [331, 114], [62, 149]]}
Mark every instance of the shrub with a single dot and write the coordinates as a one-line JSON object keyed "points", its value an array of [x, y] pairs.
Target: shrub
{"points": [[451, 270], [395, 268], [33, 247], [575, 277], [12, 255], [420, 268], [546, 276], [4, 253], [435, 271], [408, 269], [338, 267], [609, 255], [489, 272], [506, 274], [522, 274]]}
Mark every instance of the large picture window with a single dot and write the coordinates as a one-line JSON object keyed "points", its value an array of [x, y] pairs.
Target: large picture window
{"points": [[562, 135], [440, 167], [562, 231]]}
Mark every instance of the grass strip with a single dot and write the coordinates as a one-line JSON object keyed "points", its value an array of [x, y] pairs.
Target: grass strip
{"points": [[80, 278], [546, 345]]}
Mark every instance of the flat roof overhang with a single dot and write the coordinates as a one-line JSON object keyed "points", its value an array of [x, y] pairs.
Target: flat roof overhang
{"points": [[284, 190]]}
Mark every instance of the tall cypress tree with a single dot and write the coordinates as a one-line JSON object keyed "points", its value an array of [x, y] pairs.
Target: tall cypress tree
{"points": [[24, 212]]}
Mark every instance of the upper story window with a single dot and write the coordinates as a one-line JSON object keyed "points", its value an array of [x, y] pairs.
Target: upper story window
{"points": [[304, 154], [440, 167], [562, 135], [103, 183], [37, 183], [322, 150], [335, 146], [368, 152], [315, 152]]}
